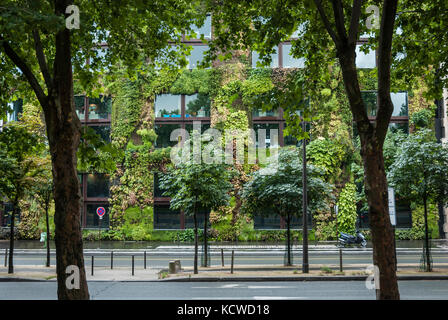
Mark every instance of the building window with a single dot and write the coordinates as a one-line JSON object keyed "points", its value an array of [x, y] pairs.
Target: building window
{"points": [[163, 131], [258, 63], [165, 218], [189, 219], [197, 105], [80, 107], [92, 219], [400, 101], [103, 131], [100, 108], [196, 56], [168, 106], [365, 60], [97, 185], [269, 135], [205, 29], [288, 61], [269, 113], [271, 221], [399, 126]]}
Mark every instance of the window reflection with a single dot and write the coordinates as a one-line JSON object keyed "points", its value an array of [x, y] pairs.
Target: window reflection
{"points": [[100, 108], [80, 107], [103, 132], [197, 105], [97, 185], [400, 101], [167, 106], [165, 218], [92, 219], [163, 132]]}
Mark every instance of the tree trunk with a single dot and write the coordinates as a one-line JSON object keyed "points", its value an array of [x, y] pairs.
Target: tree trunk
{"points": [[64, 131], [288, 234], [375, 177], [11, 239], [195, 242], [48, 233], [205, 240], [427, 257]]}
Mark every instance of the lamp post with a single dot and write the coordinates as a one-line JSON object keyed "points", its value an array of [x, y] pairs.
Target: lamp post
{"points": [[305, 265]]}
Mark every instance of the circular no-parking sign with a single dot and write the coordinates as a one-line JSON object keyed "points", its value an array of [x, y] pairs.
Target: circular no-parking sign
{"points": [[100, 211]]}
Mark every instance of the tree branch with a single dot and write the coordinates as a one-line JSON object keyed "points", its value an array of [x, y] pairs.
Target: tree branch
{"points": [[42, 60], [338, 12], [326, 22], [21, 64], [385, 106], [354, 22]]}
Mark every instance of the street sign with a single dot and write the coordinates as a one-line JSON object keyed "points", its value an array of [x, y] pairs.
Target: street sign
{"points": [[100, 211], [392, 213]]}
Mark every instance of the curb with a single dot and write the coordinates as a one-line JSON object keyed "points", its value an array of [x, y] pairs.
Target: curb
{"points": [[280, 278], [248, 279]]}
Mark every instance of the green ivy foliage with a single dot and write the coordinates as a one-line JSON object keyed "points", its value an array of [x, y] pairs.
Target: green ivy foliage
{"points": [[328, 155], [347, 215]]}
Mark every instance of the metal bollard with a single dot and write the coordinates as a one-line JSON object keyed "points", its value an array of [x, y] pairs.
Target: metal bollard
{"points": [[111, 260], [222, 257], [340, 260], [6, 257], [231, 266], [93, 262], [132, 265], [144, 259]]}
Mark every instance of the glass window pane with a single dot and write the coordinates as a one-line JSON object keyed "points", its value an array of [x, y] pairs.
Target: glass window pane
{"points": [[100, 108], [268, 127], [80, 107], [260, 113], [197, 105], [400, 101], [92, 219], [16, 108], [165, 218], [403, 127], [205, 29], [189, 127], [256, 58], [271, 221], [364, 60], [103, 132], [288, 60], [167, 106], [97, 185], [163, 132], [189, 220], [297, 222], [196, 56], [370, 102]]}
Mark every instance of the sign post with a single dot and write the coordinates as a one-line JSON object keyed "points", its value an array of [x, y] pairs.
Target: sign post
{"points": [[393, 217], [100, 211]]}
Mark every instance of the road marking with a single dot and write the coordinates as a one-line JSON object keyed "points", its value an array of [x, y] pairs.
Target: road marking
{"points": [[279, 298], [269, 287]]}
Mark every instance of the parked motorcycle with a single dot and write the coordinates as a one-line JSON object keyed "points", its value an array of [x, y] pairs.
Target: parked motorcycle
{"points": [[348, 239]]}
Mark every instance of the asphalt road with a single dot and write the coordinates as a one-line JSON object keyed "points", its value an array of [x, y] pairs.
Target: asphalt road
{"points": [[300, 290], [161, 261]]}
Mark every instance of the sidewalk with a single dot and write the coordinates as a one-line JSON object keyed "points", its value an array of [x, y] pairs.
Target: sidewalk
{"points": [[351, 272]]}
